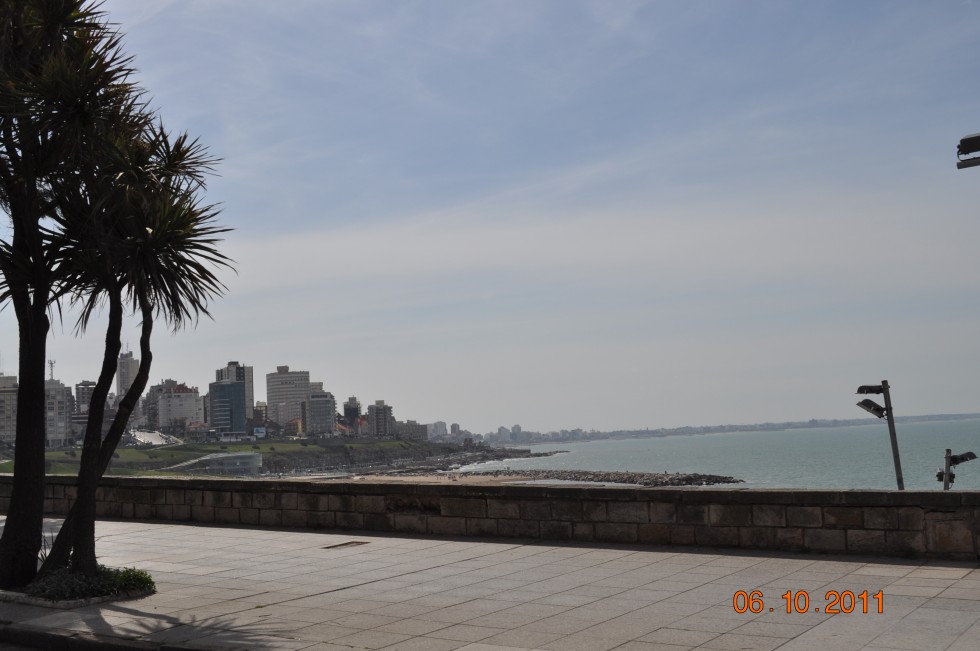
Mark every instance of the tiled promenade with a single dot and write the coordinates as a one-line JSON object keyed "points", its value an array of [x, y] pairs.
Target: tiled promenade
{"points": [[221, 588]]}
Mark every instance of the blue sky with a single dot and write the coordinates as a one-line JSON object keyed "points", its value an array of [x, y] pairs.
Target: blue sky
{"points": [[579, 214]]}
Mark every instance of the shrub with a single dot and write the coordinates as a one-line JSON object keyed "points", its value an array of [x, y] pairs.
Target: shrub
{"points": [[61, 585]]}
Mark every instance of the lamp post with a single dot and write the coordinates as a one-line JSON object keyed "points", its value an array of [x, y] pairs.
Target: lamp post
{"points": [[887, 413]]}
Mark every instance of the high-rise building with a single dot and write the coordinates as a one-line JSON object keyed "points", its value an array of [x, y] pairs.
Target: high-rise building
{"points": [[226, 411], [381, 420], [411, 431], [352, 412], [8, 409], [83, 396], [288, 396], [126, 372], [171, 406], [323, 411], [260, 414], [57, 414], [239, 373]]}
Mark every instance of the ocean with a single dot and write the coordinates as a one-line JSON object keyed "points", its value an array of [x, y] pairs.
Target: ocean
{"points": [[832, 457]]}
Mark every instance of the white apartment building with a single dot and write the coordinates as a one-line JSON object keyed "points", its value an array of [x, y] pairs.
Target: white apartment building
{"points": [[288, 396], [59, 403]]}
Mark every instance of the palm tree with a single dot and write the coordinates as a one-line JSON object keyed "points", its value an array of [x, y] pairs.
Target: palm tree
{"points": [[64, 92], [148, 243]]}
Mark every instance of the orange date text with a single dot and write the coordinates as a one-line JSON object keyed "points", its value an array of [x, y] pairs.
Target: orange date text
{"points": [[834, 602]]}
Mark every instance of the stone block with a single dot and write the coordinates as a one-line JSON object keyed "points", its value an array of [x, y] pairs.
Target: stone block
{"points": [[175, 496], [226, 515], [348, 520], [682, 534], [804, 516], [567, 510], [653, 534], [443, 526], [692, 514], [583, 531], [716, 536], [182, 512], [310, 502], [636, 512], [202, 513], [911, 518], [825, 540], [518, 528], [320, 519], [379, 521], [880, 517], [127, 510], [163, 512], [536, 510], [948, 536], [757, 537], [662, 512], [289, 500], [410, 523], [293, 518], [843, 517], [270, 517], [481, 526], [503, 509], [248, 516], [463, 507], [769, 515], [241, 499], [371, 504], [193, 497], [595, 511], [216, 498], [264, 500], [905, 543], [730, 515], [864, 541], [551, 530], [789, 539], [342, 503], [617, 532]]}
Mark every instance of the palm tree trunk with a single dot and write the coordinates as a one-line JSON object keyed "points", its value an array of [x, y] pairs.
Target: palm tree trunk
{"points": [[83, 560], [21, 540], [76, 539]]}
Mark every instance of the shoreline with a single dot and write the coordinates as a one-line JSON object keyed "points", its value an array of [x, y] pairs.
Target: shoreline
{"points": [[510, 476]]}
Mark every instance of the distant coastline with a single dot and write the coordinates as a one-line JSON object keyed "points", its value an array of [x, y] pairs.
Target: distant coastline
{"points": [[533, 438]]}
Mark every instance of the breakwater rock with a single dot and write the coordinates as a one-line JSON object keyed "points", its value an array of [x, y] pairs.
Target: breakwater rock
{"points": [[647, 479]]}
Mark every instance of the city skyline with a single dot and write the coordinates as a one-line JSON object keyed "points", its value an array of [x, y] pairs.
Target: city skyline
{"points": [[577, 214]]}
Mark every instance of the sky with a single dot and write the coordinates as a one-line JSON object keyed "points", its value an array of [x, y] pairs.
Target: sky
{"points": [[562, 213]]}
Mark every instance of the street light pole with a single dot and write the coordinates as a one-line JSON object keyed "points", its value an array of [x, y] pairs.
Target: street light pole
{"points": [[887, 413], [891, 433]]}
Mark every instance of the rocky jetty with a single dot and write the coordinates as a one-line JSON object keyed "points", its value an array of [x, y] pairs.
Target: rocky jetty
{"points": [[646, 479]]}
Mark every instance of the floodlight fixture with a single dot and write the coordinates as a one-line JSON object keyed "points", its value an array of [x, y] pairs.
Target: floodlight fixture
{"points": [[946, 474], [873, 408], [870, 388], [968, 145]]}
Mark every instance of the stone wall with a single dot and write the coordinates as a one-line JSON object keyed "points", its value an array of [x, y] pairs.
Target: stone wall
{"points": [[912, 523]]}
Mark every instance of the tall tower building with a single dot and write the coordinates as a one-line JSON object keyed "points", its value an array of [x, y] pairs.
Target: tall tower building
{"points": [[323, 411], [57, 421], [381, 420], [226, 410], [238, 373], [8, 409], [125, 373], [83, 396], [352, 411], [288, 396]]}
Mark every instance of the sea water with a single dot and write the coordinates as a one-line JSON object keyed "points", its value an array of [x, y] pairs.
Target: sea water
{"points": [[829, 457]]}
